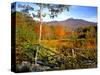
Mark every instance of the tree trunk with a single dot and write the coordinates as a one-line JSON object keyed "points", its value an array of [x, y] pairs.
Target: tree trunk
{"points": [[40, 34]]}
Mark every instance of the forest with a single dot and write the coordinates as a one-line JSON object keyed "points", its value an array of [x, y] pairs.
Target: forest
{"points": [[46, 42], [60, 48]]}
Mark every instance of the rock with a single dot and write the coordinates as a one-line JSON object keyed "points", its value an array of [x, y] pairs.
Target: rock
{"points": [[37, 67], [24, 67]]}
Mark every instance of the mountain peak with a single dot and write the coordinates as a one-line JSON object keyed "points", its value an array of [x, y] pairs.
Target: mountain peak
{"points": [[73, 23]]}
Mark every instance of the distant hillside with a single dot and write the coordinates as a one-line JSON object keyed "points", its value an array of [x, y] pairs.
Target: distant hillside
{"points": [[73, 23]]}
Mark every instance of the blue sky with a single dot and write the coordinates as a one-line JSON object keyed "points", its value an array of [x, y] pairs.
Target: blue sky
{"points": [[78, 12]]}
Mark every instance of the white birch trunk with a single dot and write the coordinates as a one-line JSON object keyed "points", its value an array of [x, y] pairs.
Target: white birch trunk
{"points": [[40, 34]]}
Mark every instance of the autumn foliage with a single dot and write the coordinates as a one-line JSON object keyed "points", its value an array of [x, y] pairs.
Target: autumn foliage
{"points": [[60, 40]]}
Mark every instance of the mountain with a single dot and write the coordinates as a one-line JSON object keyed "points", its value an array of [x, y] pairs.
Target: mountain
{"points": [[70, 23], [73, 23]]}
